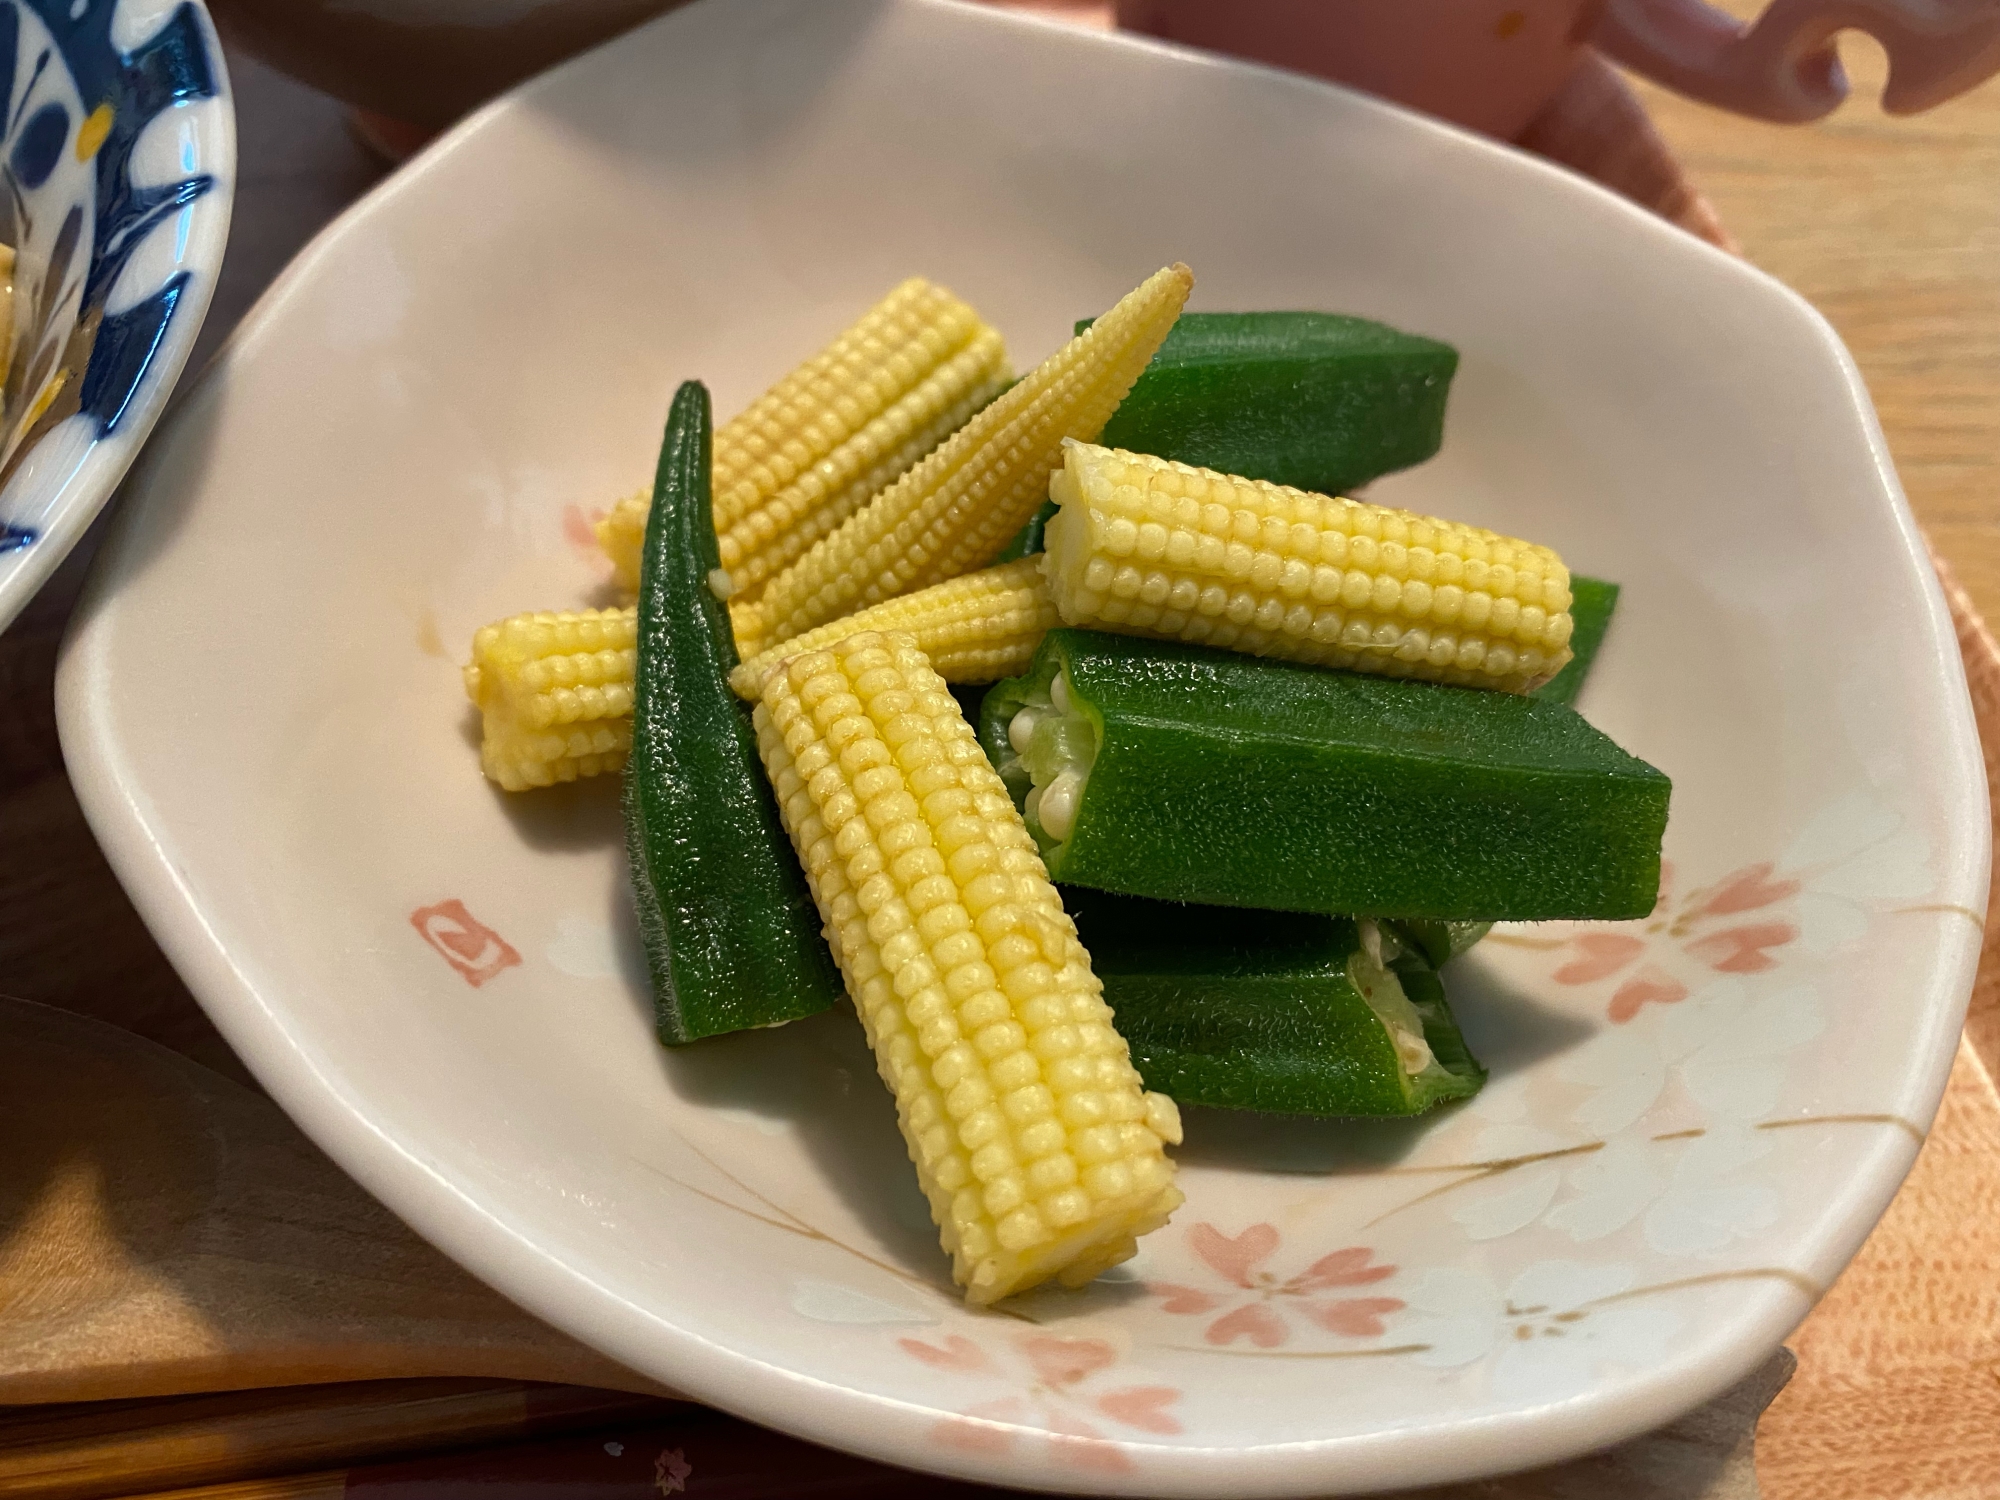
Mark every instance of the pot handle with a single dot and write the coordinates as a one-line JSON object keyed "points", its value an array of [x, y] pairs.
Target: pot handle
{"points": [[1783, 66]]}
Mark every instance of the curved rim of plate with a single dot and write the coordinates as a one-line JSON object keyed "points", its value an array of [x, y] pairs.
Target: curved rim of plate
{"points": [[845, 1417], [90, 486]]}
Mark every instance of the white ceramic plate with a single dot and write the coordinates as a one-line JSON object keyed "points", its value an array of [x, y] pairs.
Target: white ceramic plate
{"points": [[1692, 1122]]}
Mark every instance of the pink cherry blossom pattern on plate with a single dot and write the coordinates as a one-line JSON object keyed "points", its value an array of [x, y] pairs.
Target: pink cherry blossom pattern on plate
{"points": [[1249, 1306], [1054, 1391], [1705, 925], [671, 1471]]}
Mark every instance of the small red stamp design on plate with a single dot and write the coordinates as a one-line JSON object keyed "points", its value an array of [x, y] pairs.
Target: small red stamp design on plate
{"points": [[463, 941]]}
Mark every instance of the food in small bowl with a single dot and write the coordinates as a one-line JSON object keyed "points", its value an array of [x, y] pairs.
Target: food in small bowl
{"points": [[1364, 672], [120, 149]]}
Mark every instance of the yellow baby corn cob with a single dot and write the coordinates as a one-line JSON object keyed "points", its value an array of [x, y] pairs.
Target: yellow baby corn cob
{"points": [[1040, 1153], [622, 535], [979, 627], [555, 694], [956, 510], [558, 707], [841, 427], [1148, 547]]}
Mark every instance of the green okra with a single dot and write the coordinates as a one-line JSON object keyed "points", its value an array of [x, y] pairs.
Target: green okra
{"points": [[1438, 942], [1310, 399], [1187, 774], [1278, 1011], [731, 935]]}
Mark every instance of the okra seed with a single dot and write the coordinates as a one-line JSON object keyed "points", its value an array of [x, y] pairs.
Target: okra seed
{"points": [[1059, 800], [1020, 729]]}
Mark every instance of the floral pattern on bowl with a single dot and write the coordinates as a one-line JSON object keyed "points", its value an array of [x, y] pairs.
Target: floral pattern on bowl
{"points": [[115, 178]]}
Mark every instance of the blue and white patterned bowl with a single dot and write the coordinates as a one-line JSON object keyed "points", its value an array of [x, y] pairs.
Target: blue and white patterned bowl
{"points": [[117, 164]]}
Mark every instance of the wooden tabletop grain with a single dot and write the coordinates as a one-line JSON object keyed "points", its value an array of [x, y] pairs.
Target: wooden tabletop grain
{"points": [[1891, 227]]}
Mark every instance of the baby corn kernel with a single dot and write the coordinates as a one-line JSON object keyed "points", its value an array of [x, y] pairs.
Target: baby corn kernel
{"points": [[956, 510], [834, 432], [554, 692], [1041, 1154], [1142, 546], [979, 627]]}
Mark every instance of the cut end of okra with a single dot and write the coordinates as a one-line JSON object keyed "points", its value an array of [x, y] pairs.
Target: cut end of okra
{"points": [[1189, 774], [554, 692], [1040, 1153], [958, 509], [978, 628], [835, 432], [1275, 1011], [1142, 546]]}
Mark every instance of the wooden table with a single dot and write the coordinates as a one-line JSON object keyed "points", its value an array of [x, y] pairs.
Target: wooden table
{"points": [[1892, 227]]}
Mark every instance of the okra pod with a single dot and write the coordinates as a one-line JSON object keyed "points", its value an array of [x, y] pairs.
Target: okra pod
{"points": [[1314, 400], [731, 935], [1276, 1011], [1187, 774]]}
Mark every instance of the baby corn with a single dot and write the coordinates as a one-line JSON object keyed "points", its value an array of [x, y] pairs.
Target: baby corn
{"points": [[1039, 1151], [554, 694], [840, 428], [956, 510], [556, 689], [1147, 547], [976, 628]]}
